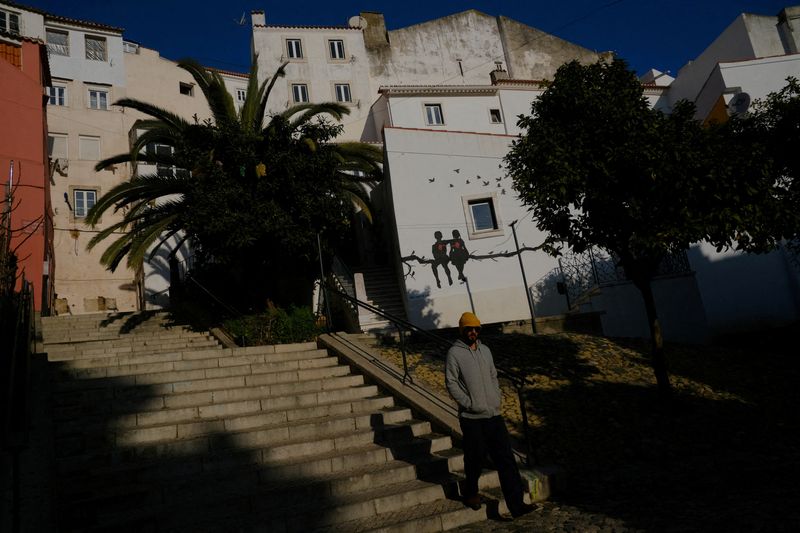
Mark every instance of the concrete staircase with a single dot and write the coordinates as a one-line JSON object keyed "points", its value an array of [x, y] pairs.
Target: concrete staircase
{"points": [[383, 292], [157, 428]]}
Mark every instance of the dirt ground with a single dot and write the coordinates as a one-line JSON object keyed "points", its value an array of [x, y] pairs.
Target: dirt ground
{"points": [[721, 456]]}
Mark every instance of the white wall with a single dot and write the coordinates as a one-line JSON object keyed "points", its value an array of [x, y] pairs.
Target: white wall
{"points": [[317, 70], [745, 291], [764, 36], [678, 304], [460, 113], [77, 67], [494, 288], [760, 77], [733, 44]]}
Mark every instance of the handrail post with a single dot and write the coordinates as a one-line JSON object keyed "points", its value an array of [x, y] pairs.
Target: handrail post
{"points": [[529, 453], [403, 351], [329, 321]]}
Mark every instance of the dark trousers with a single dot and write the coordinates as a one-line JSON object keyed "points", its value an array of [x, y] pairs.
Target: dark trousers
{"points": [[489, 435]]}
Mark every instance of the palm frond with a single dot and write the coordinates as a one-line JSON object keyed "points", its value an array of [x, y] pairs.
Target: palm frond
{"points": [[280, 72], [211, 83], [159, 113], [309, 111]]}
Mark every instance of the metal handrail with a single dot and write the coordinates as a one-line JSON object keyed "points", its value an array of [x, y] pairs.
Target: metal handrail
{"points": [[517, 379]]}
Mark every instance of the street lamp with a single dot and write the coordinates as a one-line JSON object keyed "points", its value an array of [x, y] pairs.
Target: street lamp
{"points": [[524, 279]]}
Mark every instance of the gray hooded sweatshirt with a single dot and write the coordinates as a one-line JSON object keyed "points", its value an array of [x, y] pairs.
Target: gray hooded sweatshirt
{"points": [[471, 379]]}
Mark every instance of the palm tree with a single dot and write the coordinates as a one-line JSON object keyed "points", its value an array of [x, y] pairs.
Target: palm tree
{"points": [[233, 150]]}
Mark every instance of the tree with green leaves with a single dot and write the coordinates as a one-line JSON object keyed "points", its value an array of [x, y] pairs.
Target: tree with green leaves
{"points": [[251, 192], [764, 144], [598, 167]]}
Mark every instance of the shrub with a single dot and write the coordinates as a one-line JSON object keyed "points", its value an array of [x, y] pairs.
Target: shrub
{"points": [[275, 326]]}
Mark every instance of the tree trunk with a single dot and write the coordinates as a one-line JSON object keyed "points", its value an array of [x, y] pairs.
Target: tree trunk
{"points": [[659, 359]]}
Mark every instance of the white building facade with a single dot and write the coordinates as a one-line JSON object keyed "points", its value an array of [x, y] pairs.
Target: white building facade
{"points": [[92, 66], [751, 58]]}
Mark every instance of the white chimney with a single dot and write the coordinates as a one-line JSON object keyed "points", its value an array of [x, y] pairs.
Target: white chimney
{"points": [[258, 18]]}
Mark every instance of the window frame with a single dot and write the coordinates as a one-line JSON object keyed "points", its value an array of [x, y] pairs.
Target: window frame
{"points": [[499, 115], [427, 115], [186, 89], [81, 154], [336, 50], [294, 94], [53, 97], [74, 192], [291, 49], [99, 91], [241, 95], [57, 49], [97, 38], [473, 232], [51, 145], [345, 89], [7, 21]]}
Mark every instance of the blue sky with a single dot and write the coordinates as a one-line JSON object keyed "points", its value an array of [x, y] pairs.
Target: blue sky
{"points": [[646, 33]]}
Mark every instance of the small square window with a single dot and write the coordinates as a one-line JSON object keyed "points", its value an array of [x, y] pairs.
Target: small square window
{"points": [[57, 42], [336, 47], [343, 92], [89, 148], [98, 99], [186, 89], [294, 48], [57, 146], [96, 48], [241, 95], [433, 115], [495, 116], [299, 93], [83, 201], [482, 216], [57, 95]]}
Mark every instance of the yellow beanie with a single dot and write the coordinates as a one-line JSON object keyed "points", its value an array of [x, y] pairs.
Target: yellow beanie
{"points": [[468, 319]]}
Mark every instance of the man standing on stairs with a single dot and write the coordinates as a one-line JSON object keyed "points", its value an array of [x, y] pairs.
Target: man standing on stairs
{"points": [[471, 379]]}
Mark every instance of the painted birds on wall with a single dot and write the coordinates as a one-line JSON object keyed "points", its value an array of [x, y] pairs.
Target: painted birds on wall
{"points": [[451, 185], [485, 183], [502, 191], [467, 182], [456, 170]]}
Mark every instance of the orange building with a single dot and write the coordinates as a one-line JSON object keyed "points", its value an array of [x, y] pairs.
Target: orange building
{"points": [[24, 73]]}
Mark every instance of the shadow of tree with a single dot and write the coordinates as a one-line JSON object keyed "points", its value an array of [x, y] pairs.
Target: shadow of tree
{"points": [[120, 466], [213, 479], [724, 457]]}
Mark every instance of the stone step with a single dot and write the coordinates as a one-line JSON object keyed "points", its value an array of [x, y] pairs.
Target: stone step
{"points": [[230, 356], [78, 341], [85, 408], [196, 343], [200, 379], [235, 416], [288, 394], [71, 355], [302, 507], [86, 370], [407, 439], [415, 451], [238, 431], [245, 480]]}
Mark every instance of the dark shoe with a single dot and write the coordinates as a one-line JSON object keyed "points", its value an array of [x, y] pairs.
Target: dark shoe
{"points": [[473, 502], [524, 509]]}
